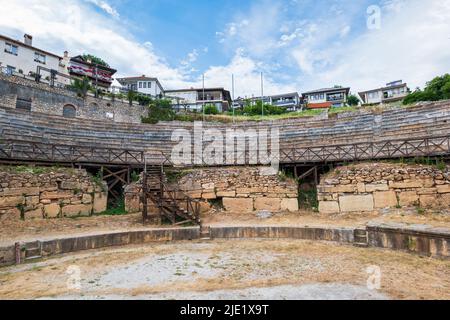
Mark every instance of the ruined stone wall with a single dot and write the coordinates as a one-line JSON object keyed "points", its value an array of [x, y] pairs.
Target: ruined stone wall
{"points": [[51, 100], [44, 193], [240, 189], [371, 187]]}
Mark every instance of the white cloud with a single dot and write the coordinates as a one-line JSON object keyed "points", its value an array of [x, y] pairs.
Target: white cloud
{"points": [[247, 75], [105, 6], [412, 45], [70, 25]]}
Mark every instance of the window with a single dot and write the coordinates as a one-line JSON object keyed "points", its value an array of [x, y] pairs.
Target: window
{"points": [[149, 85], [12, 49], [23, 104], [140, 85], [10, 70], [145, 85], [69, 111], [39, 58]]}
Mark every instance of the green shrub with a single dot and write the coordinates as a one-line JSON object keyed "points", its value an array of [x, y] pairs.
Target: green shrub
{"points": [[159, 110], [211, 109], [435, 90]]}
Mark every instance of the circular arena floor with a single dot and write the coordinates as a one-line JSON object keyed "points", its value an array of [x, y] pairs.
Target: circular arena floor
{"points": [[241, 269]]}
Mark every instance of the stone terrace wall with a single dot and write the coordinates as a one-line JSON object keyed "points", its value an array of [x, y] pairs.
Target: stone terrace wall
{"points": [[51, 100], [42, 193], [370, 187], [241, 189]]}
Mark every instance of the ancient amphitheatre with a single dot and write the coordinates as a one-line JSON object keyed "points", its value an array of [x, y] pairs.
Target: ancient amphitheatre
{"points": [[222, 231]]}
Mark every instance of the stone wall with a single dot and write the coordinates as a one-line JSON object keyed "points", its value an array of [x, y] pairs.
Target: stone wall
{"points": [[44, 193], [239, 189], [371, 187], [51, 100]]}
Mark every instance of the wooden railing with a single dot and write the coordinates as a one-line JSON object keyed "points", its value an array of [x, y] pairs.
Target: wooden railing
{"points": [[390, 149], [59, 153]]}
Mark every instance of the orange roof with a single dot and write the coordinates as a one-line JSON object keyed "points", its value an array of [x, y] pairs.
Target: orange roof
{"points": [[320, 105]]}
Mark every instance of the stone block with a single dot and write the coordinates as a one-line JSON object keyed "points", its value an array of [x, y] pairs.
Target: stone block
{"points": [[444, 200], [427, 191], [195, 195], [444, 188], [132, 203], [429, 201], [56, 195], [290, 205], [100, 203], [406, 185], [377, 187], [208, 186], [344, 189], [86, 199], [385, 199], [408, 198], [269, 204], [52, 210], [77, 210], [35, 214], [356, 203], [209, 196], [30, 191], [361, 187], [241, 205], [226, 194], [329, 207], [14, 201], [31, 201]]}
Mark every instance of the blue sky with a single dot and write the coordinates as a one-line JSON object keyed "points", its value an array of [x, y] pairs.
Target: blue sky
{"points": [[298, 44]]}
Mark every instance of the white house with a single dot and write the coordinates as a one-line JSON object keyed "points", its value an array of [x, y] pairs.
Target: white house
{"points": [[145, 85], [326, 98], [18, 57], [289, 101], [394, 91], [194, 99]]}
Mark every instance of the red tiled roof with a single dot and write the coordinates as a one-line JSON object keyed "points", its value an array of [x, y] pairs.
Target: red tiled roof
{"points": [[320, 105]]}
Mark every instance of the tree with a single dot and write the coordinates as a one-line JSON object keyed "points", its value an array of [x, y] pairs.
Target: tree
{"points": [[435, 90], [95, 60], [352, 100], [81, 86], [159, 110], [131, 96]]}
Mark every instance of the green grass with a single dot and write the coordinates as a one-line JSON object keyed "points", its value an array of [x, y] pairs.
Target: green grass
{"points": [[33, 170], [226, 118], [308, 199], [119, 210]]}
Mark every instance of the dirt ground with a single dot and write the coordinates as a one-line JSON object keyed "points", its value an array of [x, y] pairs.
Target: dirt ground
{"points": [[238, 269], [15, 230]]}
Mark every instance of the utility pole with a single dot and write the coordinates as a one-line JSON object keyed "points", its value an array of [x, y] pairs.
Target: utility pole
{"points": [[232, 93], [262, 94], [203, 98]]}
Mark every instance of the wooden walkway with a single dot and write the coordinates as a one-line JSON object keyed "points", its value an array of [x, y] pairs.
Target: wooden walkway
{"points": [[25, 151]]}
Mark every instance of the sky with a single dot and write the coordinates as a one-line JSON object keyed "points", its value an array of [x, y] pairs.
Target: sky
{"points": [[299, 45]]}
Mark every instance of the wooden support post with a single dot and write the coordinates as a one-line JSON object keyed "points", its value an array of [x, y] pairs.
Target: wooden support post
{"points": [[144, 198], [18, 253], [316, 176]]}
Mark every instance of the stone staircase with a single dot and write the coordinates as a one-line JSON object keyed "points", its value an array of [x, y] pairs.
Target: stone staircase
{"points": [[33, 251], [361, 238]]}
